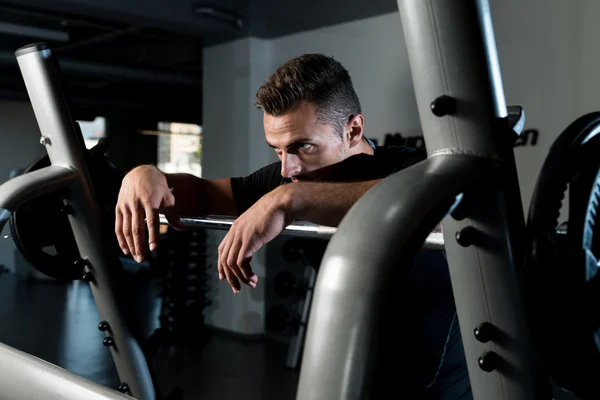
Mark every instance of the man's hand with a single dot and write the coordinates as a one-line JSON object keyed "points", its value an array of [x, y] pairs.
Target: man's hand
{"points": [[144, 191], [260, 224]]}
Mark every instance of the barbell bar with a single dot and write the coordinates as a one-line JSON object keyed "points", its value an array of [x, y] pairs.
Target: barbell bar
{"points": [[435, 240]]}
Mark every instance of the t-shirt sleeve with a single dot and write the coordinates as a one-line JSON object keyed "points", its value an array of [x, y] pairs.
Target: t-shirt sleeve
{"points": [[247, 190]]}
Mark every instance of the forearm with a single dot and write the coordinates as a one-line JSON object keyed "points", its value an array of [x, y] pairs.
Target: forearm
{"points": [[196, 196], [323, 203], [187, 190]]}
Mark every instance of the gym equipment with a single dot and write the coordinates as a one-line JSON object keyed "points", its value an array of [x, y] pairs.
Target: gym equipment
{"points": [[51, 246], [468, 181], [182, 262], [25, 377], [434, 241], [562, 270], [278, 318], [286, 285], [70, 175], [458, 86]]}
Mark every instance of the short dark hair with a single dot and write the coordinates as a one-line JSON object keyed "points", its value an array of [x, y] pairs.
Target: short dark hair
{"points": [[313, 78]]}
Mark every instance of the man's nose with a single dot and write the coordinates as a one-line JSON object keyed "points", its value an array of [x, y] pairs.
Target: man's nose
{"points": [[289, 165]]}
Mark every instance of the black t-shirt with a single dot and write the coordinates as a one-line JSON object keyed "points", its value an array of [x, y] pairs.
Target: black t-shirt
{"points": [[386, 161], [429, 361]]}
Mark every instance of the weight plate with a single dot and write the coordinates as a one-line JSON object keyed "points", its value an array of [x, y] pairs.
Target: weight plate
{"points": [[561, 270], [40, 227], [277, 318], [284, 284]]}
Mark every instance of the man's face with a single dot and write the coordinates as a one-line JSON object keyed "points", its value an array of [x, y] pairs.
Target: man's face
{"points": [[302, 143]]}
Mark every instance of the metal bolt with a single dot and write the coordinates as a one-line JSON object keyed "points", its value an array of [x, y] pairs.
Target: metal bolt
{"points": [[67, 209], [443, 105], [489, 361], [123, 387], [485, 332], [108, 341], [44, 140], [103, 326], [465, 236], [87, 276]]}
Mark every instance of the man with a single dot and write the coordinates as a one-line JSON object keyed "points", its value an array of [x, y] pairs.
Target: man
{"points": [[313, 122]]}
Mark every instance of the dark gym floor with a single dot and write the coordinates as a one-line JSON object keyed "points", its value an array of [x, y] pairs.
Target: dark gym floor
{"points": [[58, 323]]}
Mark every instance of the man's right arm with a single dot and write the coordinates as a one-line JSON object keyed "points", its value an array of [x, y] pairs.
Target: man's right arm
{"points": [[146, 191], [196, 196]]}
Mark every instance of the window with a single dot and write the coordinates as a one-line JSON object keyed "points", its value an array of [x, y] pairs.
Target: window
{"points": [[93, 131], [180, 148]]}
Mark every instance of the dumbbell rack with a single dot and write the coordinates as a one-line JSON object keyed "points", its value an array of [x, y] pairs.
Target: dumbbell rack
{"points": [[303, 306], [290, 280], [182, 260]]}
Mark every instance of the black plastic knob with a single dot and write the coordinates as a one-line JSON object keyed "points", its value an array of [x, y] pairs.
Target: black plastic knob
{"points": [[489, 361], [485, 332], [123, 387], [87, 276], [103, 326], [465, 237], [443, 105], [108, 341], [67, 209]]}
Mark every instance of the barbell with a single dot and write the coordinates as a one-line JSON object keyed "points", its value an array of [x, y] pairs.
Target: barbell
{"points": [[435, 240]]}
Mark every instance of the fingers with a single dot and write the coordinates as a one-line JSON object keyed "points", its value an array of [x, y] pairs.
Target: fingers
{"points": [[138, 232], [244, 255], [253, 278], [232, 280], [126, 229], [119, 231], [131, 232], [220, 269], [231, 277], [231, 258], [153, 224], [235, 254]]}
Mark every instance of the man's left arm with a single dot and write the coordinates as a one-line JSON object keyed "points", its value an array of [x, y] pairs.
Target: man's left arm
{"points": [[316, 202], [321, 203], [324, 203]]}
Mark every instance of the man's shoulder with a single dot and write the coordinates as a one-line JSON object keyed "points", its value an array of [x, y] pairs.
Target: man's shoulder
{"points": [[400, 156], [398, 150]]}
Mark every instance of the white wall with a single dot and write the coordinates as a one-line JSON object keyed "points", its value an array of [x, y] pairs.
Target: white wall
{"points": [[20, 146], [234, 146], [374, 52]]}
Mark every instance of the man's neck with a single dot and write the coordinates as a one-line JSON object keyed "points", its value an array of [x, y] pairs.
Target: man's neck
{"points": [[365, 147]]}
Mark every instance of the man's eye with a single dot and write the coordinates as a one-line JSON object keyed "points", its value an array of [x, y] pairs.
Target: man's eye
{"points": [[305, 146]]}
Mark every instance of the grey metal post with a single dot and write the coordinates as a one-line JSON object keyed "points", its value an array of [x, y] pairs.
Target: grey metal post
{"points": [[452, 52], [64, 145], [25, 377], [461, 104]]}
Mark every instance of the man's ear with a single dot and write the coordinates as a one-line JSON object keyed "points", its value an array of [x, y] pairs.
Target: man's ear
{"points": [[354, 129]]}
